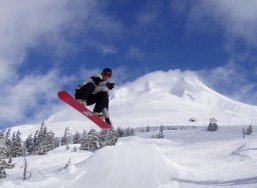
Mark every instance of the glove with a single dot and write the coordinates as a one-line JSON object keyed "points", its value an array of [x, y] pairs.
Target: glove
{"points": [[110, 86]]}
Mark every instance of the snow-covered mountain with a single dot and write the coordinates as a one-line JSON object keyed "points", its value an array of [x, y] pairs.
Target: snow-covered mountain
{"points": [[169, 98]]}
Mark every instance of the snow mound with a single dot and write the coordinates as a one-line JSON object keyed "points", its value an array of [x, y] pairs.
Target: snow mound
{"points": [[127, 166]]}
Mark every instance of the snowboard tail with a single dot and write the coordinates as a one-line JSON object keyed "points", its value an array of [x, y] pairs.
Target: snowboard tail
{"points": [[70, 100]]}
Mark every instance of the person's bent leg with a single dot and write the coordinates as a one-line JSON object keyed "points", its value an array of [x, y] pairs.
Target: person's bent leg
{"points": [[83, 93], [102, 105], [102, 101]]}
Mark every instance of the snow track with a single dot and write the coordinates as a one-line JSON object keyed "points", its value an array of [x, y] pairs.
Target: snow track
{"points": [[127, 166]]}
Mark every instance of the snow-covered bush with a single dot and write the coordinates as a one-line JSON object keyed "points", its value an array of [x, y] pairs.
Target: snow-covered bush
{"points": [[125, 132], [160, 134], [108, 137], [212, 125], [67, 164], [93, 140], [247, 131], [129, 132], [147, 129], [120, 132], [2, 172]]}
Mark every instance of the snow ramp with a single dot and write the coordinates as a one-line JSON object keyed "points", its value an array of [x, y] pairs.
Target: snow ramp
{"points": [[126, 166]]}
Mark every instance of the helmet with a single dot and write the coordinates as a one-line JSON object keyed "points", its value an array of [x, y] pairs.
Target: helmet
{"points": [[107, 71]]}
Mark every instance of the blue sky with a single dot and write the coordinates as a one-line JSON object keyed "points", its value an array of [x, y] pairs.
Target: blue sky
{"points": [[48, 45]]}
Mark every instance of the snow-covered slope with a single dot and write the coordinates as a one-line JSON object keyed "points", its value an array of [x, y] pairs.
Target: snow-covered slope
{"points": [[188, 158], [169, 98], [172, 97], [129, 165]]}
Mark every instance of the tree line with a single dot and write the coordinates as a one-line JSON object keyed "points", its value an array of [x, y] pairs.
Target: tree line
{"points": [[43, 141]]}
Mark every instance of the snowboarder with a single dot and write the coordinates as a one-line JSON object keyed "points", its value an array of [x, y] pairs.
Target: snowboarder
{"points": [[95, 91]]}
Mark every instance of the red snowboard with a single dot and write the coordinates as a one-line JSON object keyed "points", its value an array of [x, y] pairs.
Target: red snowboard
{"points": [[66, 97]]}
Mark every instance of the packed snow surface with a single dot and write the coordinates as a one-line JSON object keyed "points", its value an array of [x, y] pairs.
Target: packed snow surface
{"points": [[132, 165], [187, 157]]}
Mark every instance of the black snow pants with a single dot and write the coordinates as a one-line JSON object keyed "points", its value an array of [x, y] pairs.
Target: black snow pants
{"points": [[100, 99]]}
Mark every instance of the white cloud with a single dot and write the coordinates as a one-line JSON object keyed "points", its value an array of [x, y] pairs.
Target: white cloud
{"points": [[236, 18], [29, 95], [231, 80], [26, 24], [103, 48], [235, 22], [135, 53], [148, 14], [53, 24]]}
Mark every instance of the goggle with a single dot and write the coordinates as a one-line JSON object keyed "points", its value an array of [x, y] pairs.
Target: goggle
{"points": [[107, 74]]}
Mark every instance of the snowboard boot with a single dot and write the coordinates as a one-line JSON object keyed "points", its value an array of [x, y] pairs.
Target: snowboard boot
{"points": [[107, 120], [84, 102], [99, 114], [106, 115]]}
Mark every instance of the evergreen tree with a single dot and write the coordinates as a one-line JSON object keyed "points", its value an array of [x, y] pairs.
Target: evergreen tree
{"points": [[44, 140], [49, 140], [111, 137], [161, 135], [3, 155], [3, 150], [66, 138], [129, 132], [17, 145], [91, 142], [249, 130], [8, 142], [120, 132], [103, 138], [147, 129], [212, 125], [76, 138], [29, 143], [8, 133], [36, 142], [40, 149], [83, 140], [2, 172], [2, 135], [38, 139], [56, 142]]}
